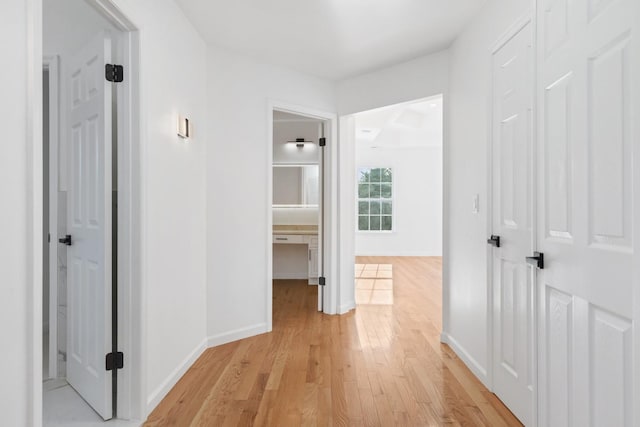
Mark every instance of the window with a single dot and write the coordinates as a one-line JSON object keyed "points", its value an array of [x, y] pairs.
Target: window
{"points": [[375, 201]]}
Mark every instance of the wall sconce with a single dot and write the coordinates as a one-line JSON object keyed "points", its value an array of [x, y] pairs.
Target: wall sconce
{"points": [[300, 142], [184, 127]]}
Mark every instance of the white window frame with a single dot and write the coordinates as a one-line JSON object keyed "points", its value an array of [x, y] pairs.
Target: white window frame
{"points": [[391, 199]]}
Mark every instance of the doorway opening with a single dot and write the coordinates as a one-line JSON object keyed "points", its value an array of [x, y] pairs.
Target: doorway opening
{"points": [[90, 312], [398, 164], [310, 159], [296, 207]]}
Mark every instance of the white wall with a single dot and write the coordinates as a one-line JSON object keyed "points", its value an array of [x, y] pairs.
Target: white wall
{"points": [[14, 315], [239, 92], [465, 296], [417, 202], [173, 77], [420, 78]]}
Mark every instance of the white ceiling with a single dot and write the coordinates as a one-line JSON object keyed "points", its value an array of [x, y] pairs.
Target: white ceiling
{"points": [[407, 125], [333, 39]]}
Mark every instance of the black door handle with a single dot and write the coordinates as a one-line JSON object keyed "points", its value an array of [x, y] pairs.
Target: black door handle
{"points": [[66, 240], [537, 259], [494, 241]]}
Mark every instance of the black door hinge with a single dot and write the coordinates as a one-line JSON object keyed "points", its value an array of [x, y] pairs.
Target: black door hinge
{"points": [[323, 141], [322, 281], [114, 73], [114, 361]]}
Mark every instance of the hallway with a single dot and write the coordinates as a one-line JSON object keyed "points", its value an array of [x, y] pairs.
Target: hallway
{"points": [[380, 365]]}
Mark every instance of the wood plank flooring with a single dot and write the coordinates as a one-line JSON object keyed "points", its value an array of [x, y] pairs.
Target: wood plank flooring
{"points": [[380, 365]]}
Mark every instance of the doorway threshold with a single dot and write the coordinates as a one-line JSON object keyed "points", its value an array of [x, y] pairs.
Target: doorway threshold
{"points": [[63, 407]]}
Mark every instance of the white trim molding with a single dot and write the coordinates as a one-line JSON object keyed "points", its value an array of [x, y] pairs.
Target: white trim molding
{"points": [[51, 63], [34, 209], [473, 365], [347, 307], [165, 387], [237, 334]]}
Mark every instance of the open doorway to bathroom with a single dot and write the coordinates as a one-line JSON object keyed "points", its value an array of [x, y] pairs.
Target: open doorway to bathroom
{"points": [[297, 197]]}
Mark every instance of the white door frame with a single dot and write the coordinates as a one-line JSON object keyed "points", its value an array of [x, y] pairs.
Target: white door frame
{"points": [[347, 197], [636, 224], [329, 251], [52, 65], [516, 27], [131, 401]]}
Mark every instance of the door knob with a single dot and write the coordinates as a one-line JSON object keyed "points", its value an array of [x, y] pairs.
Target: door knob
{"points": [[537, 260], [65, 240], [494, 241]]}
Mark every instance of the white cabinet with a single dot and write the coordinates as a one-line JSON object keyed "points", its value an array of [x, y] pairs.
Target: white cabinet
{"points": [[311, 242]]}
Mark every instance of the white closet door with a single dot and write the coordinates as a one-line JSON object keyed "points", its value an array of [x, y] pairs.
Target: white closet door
{"points": [[513, 296], [588, 102], [89, 224]]}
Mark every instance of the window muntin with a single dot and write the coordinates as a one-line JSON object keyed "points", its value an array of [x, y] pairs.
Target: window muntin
{"points": [[375, 199]]}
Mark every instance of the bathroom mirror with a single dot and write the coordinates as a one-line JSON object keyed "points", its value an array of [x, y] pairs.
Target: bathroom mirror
{"points": [[295, 185]]}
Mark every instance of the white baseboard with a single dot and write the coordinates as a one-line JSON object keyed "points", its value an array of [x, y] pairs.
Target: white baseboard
{"points": [[237, 334], [473, 365], [400, 253], [159, 393], [291, 276], [345, 308]]}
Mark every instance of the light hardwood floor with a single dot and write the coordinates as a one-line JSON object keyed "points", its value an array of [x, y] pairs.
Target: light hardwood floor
{"points": [[380, 365]]}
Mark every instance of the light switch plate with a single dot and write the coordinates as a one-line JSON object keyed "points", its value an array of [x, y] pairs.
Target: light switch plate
{"points": [[476, 204]]}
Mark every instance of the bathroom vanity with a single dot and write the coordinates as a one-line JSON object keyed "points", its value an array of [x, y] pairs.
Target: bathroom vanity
{"points": [[306, 235]]}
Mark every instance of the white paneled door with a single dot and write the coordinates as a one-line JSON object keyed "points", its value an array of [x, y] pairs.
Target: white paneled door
{"points": [[88, 109], [589, 104], [512, 287]]}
